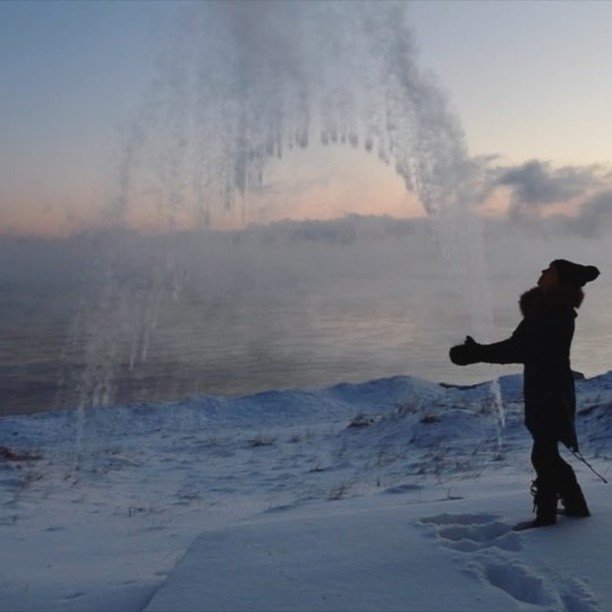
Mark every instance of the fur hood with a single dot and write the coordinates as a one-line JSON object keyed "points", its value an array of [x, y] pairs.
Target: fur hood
{"points": [[535, 301]]}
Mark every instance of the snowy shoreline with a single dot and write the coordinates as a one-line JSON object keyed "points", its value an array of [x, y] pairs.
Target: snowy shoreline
{"points": [[103, 528]]}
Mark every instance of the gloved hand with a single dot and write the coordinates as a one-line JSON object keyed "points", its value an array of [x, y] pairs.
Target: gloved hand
{"points": [[466, 353]]}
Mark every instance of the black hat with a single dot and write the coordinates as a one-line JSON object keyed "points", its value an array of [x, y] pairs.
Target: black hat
{"points": [[574, 274]]}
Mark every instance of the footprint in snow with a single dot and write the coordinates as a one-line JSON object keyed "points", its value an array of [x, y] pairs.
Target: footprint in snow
{"points": [[526, 585], [489, 544], [471, 532], [578, 597], [521, 583]]}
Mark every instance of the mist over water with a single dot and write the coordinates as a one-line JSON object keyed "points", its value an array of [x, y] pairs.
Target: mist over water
{"points": [[276, 306], [285, 305]]}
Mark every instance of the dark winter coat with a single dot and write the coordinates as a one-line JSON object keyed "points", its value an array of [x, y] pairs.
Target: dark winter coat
{"points": [[541, 343]]}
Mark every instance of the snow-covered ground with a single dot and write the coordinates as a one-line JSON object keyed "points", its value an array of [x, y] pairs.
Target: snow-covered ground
{"points": [[391, 494]]}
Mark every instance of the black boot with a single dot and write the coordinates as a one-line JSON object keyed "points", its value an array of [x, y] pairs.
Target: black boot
{"points": [[574, 503], [571, 494], [544, 505]]}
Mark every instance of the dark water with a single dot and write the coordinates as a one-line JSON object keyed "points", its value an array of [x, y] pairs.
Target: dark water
{"points": [[230, 346]]}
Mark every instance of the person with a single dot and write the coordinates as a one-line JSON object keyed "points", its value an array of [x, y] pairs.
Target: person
{"points": [[541, 342]]}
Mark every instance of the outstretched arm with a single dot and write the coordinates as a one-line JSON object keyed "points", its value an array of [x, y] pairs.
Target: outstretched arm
{"points": [[506, 351]]}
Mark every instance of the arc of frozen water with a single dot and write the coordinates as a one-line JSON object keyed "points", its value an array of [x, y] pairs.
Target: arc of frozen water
{"points": [[241, 82]]}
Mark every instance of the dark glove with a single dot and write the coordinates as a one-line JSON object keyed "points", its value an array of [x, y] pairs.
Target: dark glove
{"points": [[466, 353]]}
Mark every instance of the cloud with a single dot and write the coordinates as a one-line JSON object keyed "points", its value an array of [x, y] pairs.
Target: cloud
{"points": [[536, 184]]}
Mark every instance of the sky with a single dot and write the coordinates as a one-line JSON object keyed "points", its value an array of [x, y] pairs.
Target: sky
{"points": [[528, 81]]}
